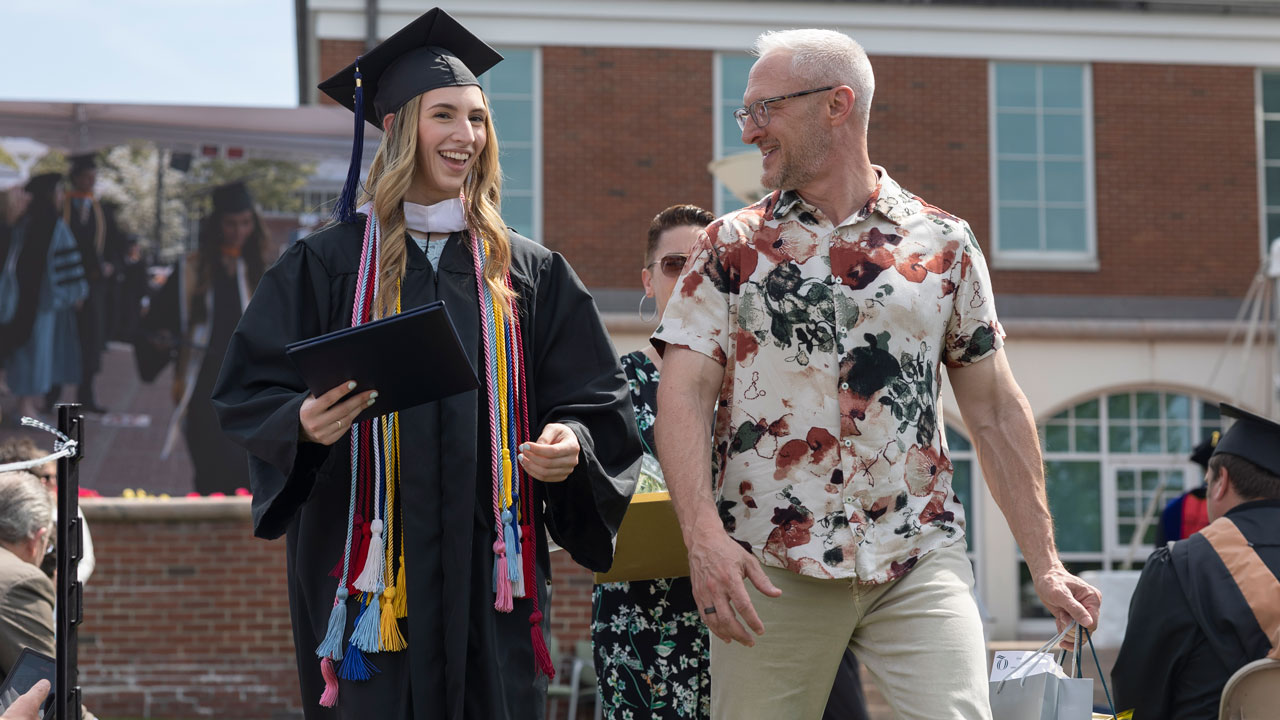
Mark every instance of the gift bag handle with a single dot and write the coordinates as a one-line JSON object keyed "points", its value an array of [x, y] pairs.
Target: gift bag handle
{"points": [[1101, 675], [1047, 647]]}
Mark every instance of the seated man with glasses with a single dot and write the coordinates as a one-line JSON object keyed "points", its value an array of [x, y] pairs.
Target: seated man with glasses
{"points": [[23, 448], [813, 326]]}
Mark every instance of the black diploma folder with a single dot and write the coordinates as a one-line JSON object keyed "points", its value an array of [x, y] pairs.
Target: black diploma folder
{"points": [[410, 358]]}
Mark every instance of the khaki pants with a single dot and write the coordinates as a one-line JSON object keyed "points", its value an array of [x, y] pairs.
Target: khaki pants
{"points": [[920, 637]]}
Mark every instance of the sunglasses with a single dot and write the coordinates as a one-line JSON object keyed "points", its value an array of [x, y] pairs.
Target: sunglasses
{"points": [[671, 264]]}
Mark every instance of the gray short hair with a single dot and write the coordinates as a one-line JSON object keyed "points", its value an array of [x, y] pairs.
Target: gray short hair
{"points": [[825, 57], [25, 506]]}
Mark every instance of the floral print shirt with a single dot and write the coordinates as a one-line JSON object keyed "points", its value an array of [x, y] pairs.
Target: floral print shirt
{"points": [[829, 456]]}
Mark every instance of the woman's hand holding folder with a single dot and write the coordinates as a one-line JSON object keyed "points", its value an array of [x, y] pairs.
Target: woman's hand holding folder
{"points": [[327, 418]]}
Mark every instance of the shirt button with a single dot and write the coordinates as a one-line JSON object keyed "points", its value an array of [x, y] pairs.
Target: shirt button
{"points": [[844, 386], [849, 500], [848, 443], [839, 280]]}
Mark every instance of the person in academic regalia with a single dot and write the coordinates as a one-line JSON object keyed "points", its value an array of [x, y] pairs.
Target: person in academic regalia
{"points": [[83, 214], [418, 566], [51, 285], [1206, 606], [199, 307], [1186, 514]]}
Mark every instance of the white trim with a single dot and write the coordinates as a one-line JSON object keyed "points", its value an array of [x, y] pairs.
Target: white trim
{"points": [[1261, 143], [892, 29], [717, 130], [537, 146]]}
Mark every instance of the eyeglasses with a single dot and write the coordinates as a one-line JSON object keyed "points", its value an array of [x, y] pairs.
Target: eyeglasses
{"points": [[671, 264], [759, 110]]}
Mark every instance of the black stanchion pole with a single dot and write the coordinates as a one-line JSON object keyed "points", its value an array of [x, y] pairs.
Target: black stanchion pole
{"points": [[70, 609]]}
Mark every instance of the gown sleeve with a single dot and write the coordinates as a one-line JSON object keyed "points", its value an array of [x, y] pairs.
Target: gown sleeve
{"points": [[579, 383], [259, 392], [1153, 648]]}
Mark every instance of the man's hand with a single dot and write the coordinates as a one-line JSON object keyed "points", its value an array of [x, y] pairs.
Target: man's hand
{"points": [[27, 707], [717, 565], [324, 419], [553, 456], [1070, 599]]}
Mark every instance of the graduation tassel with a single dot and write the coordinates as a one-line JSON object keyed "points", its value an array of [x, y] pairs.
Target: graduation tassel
{"points": [[345, 210], [401, 601], [517, 582], [368, 626], [329, 697], [541, 658], [331, 646], [390, 638], [355, 666], [502, 586], [513, 546]]}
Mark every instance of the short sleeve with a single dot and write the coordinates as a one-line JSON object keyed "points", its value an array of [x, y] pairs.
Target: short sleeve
{"points": [[973, 330], [697, 315]]}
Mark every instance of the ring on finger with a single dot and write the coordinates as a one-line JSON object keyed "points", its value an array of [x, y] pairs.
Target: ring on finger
{"points": [[338, 423], [709, 610]]}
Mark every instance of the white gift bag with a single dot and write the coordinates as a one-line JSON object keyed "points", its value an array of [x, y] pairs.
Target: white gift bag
{"points": [[1038, 689]]}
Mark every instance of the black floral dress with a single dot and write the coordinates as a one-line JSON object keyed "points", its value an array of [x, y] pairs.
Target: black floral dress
{"points": [[652, 651]]}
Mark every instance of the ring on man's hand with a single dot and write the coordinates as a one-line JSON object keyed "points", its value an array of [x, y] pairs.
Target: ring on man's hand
{"points": [[338, 423], [709, 610]]}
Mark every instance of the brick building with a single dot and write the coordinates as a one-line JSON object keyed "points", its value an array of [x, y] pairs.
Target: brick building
{"points": [[1119, 162]]}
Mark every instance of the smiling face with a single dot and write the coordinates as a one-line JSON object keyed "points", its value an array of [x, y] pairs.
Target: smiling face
{"points": [[795, 144], [451, 135], [659, 278]]}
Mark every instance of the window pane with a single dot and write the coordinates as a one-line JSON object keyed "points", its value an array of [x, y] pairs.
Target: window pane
{"points": [[957, 442], [1057, 438], [1016, 85], [733, 76], [1016, 133], [1178, 438], [1177, 407], [1271, 92], [1120, 406], [1075, 497], [1018, 181], [1209, 411], [1120, 439], [1148, 405], [1273, 186], [518, 213], [1087, 438], [1063, 135], [517, 168], [731, 136], [1273, 226], [1273, 139], [1150, 479], [1124, 480], [962, 485], [513, 75], [1063, 85], [1064, 181], [1064, 230], [1149, 439], [1019, 229], [513, 119], [1087, 410]]}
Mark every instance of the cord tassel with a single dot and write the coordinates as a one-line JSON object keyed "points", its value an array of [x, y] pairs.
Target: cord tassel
{"points": [[331, 645], [541, 658], [390, 638], [370, 579], [368, 626], [401, 601], [329, 697]]}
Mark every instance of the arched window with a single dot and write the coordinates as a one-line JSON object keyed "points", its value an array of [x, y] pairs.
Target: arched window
{"points": [[1112, 462]]}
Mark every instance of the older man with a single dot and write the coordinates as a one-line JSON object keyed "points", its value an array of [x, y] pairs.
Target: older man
{"points": [[819, 318]]}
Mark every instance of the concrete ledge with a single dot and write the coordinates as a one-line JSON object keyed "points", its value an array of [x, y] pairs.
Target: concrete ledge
{"points": [[98, 510], [1070, 328]]}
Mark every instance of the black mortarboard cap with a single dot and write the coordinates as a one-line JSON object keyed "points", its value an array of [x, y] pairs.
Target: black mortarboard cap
{"points": [[42, 185], [84, 161], [1202, 452], [1251, 437], [431, 52], [232, 197]]}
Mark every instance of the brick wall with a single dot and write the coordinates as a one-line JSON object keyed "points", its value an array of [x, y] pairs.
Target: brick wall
{"points": [[333, 56], [187, 614], [626, 133]]}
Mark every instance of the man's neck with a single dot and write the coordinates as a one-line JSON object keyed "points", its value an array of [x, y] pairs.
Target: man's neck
{"points": [[20, 550], [843, 192]]}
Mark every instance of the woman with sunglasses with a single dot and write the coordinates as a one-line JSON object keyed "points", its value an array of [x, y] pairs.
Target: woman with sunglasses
{"points": [[652, 650]]}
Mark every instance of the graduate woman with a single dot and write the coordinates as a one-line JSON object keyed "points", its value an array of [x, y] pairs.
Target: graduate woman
{"points": [[417, 557]]}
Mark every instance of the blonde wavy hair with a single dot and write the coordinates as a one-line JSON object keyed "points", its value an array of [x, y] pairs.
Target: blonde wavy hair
{"points": [[390, 176]]}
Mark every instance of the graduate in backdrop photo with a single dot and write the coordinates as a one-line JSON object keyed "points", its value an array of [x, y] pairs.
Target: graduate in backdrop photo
{"points": [[418, 566]]}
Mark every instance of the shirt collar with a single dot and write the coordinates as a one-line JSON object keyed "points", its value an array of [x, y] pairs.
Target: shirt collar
{"points": [[888, 198], [442, 217]]}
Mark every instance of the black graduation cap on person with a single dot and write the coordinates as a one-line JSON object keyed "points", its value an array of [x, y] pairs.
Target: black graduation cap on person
{"points": [[42, 185], [1201, 453], [83, 161], [1251, 437], [431, 52], [232, 197]]}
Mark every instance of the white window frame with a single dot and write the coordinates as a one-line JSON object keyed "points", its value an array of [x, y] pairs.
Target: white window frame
{"points": [[535, 142], [1044, 259], [717, 127], [1263, 161]]}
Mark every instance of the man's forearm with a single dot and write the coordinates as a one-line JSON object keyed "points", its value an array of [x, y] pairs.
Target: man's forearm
{"points": [[683, 434], [1009, 451]]}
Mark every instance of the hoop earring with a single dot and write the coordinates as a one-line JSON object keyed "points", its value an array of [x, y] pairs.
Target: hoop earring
{"points": [[640, 310]]}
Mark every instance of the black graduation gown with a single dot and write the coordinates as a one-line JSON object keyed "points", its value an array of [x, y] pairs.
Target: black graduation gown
{"points": [[1189, 626], [464, 659], [91, 315]]}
